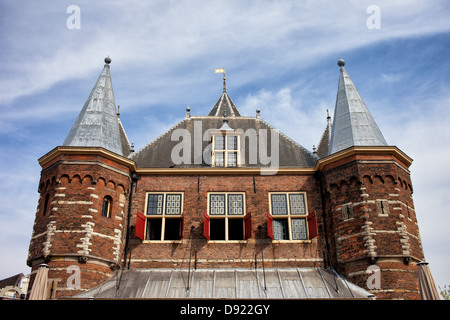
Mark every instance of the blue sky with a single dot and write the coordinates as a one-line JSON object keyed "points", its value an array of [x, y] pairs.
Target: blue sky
{"points": [[279, 56]]}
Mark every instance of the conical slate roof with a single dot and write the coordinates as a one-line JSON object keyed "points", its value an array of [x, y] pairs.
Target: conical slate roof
{"points": [[97, 124], [324, 144], [353, 124], [224, 104]]}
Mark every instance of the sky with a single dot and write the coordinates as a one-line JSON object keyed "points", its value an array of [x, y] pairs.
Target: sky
{"points": [[279, 56]]}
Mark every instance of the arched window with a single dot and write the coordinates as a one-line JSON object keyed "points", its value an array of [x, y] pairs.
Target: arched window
{"points": [[106, 209], [47, 197]]}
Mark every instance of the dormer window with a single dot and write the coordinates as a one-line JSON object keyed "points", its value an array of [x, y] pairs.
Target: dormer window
{"points": [[225, 152]]}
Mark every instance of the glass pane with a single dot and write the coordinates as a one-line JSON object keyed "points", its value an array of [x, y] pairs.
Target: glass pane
{"points": [[155, 203], [232, 142], [217, 204], [219, 160], [219, 142], [297, 203], [298, 229], [279, 204], [280, 230], [173, 204], [232, 159], [235, 204]]}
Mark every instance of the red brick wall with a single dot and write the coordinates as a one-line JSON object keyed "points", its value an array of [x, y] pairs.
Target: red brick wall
{"points": [[219, 254], [391, 241], [73, 226]]}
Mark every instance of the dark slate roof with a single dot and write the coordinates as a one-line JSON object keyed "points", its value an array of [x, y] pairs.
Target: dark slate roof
{"points": [[157, 154], [291, 283], [224, 104]]}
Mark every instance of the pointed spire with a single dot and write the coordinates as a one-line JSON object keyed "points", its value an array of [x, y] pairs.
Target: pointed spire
{"points": [[324, 143], [353, 124], [224, 104], [97, 124]]}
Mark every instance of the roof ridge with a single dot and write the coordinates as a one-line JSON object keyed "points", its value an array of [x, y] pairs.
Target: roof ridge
{"points": [[157, 139], [289, 139]]}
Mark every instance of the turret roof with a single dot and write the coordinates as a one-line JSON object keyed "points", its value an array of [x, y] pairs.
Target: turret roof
{"points": [[97, 124], [353, 125]]}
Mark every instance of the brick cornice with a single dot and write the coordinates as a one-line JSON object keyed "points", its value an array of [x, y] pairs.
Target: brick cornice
{"points": [[86, 151], [404, 159]]}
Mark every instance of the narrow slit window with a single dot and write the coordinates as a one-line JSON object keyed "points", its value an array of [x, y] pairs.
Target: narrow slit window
{"points": [[106, 208]]}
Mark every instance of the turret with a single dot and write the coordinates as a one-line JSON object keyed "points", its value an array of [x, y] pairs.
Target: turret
{"points": [[80, 223], [370, 211]]}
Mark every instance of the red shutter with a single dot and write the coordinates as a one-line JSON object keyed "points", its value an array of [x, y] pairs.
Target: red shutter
{"points": [[312, 225], [269, 226], [140, 226], [206, 226], [248, 226], [182, 226]]}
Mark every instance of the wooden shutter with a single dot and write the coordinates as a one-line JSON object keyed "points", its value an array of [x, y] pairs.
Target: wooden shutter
{"points": [[269, 226], [248, 226], [182, 226], [206, 225], [312, 225], [140, 226]]}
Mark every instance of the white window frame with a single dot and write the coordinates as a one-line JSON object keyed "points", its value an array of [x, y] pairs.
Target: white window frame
{"points": [[226, 151], [163, 216], [226, 215], [289, 216]]}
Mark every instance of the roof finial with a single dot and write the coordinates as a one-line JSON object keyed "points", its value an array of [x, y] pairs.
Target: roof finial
{"points": [[341, 62], [224, 78], [107, 60], [118, 111], [188, 114], [328, 116]]}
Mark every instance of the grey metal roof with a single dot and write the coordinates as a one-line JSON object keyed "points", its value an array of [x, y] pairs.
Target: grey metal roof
{"points": [[290, 283], [353, 125], [324, 143], [97, 124], [157, 154]]}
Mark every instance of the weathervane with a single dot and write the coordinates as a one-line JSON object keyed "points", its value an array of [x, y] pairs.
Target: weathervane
{"points": [[224, 83]]}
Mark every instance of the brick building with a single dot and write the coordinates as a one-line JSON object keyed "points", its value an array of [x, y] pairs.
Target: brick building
{"points": [[226, 206]]}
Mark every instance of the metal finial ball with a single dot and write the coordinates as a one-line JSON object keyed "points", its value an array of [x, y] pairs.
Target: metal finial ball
{"points": [[107, 60], [341, 63]]}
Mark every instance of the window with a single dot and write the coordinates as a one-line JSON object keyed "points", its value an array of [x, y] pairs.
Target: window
{"points": [[382, 208], [106, 208], [164, 219], [347, 212], [47, 198], [227, 220], [225, 150], [287, 220]]}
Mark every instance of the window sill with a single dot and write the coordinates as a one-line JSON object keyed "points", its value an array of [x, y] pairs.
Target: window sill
{"points": [[227, 241], [291, 241]]}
